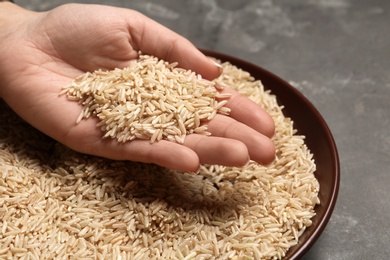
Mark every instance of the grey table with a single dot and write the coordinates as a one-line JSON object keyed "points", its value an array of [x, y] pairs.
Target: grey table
{"points": [[337, 53]]}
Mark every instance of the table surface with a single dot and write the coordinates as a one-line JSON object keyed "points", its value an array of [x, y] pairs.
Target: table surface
{"points": [[337, 53]]}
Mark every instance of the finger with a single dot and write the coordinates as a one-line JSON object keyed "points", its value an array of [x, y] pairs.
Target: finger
{"points": [[216, 150], [86, 138], [164, 153], [260, 148], [152, 38], [248, 112]]}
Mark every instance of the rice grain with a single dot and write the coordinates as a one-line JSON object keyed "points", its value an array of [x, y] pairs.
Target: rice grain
{"points": [[56, 203], [133, 102]]}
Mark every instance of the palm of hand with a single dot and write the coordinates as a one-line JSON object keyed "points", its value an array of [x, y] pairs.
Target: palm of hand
{"points": [[57, 47], [60, 45]]}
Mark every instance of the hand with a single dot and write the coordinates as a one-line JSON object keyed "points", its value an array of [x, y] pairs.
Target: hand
{"points": [[42, 52]]}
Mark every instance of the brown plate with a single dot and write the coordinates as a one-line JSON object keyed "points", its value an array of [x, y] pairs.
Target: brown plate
{"points": [[309, 122]]}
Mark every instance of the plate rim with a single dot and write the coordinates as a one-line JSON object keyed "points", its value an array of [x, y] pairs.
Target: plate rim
{"points": [[300, 249]]}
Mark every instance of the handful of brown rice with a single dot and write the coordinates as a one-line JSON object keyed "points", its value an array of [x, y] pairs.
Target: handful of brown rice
{"points": [[59, 204], [150, 99]]}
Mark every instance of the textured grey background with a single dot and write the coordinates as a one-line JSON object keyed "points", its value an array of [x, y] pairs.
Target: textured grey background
{"points": [[336, 52]]}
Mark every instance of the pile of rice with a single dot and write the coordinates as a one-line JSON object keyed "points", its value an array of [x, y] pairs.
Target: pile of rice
{"points": [[151, 99], [56, 203]]}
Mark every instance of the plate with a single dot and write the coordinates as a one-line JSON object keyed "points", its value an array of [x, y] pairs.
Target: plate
{"points": [[319, 139]]}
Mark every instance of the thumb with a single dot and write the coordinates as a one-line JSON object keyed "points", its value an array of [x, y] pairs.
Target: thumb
{"points": [[154, 39]]}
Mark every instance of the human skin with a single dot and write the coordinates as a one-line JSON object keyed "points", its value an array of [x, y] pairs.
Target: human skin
{"points": [[40, 52]]}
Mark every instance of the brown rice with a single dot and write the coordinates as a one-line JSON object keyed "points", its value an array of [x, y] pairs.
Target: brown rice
{"points": [[56, 203], [150, 99]]}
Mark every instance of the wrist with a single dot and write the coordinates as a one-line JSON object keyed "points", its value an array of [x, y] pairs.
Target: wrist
{"points": [[13, 21], [10, 14]]}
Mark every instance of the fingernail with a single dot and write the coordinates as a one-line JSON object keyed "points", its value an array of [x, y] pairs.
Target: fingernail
{"points": [[248, 162], [219, 66], [195, 172], [269, 164]]}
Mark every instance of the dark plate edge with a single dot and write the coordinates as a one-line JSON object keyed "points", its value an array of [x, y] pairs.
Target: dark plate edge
{"points": [[299, 250]]}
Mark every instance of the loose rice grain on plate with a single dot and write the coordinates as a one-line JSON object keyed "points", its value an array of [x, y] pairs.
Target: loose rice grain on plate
{"points": [[56, 203]]}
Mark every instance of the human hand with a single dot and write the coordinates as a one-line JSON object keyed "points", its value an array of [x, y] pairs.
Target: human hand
{"points": [[42, 52]]}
